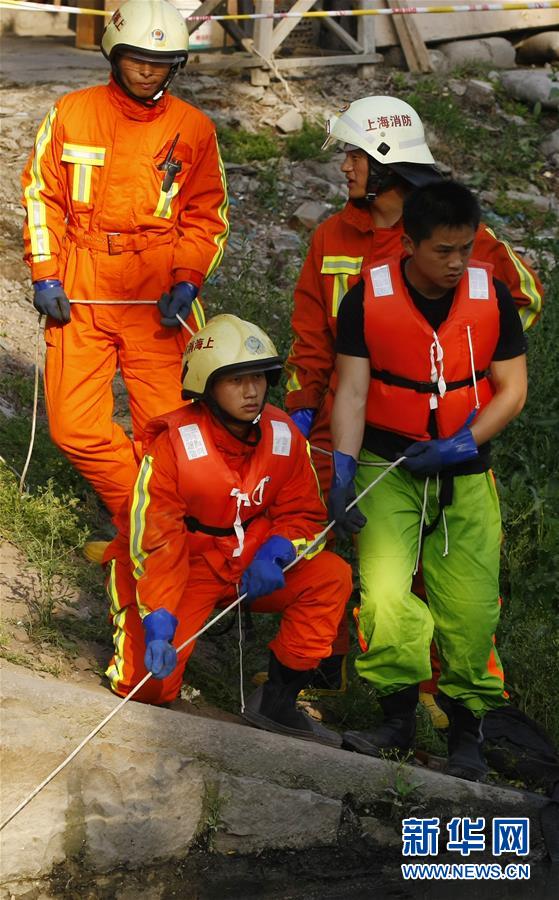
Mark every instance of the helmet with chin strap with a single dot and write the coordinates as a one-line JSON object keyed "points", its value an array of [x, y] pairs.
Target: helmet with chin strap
{"points": [[150, 30], [391, 133]]}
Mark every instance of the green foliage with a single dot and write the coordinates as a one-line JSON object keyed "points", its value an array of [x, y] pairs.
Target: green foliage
{"points": [[526, 462], [45, 526], [307, 143], [239, 146]]}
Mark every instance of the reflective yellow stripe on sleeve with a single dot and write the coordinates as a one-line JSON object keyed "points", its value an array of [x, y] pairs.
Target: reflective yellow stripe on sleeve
{"points": [[293, 383], [198, 313], [340, 267], [222, 212], [140, 504], [301, 544], [528, 314], [36, 209]]}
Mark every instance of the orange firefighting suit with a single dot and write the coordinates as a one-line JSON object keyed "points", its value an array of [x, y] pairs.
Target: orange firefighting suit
{"points": [[340, 248], [203, 503], [98, 220]]}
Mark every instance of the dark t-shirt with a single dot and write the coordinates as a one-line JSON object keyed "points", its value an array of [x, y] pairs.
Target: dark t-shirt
{"points": [[351, 342]]}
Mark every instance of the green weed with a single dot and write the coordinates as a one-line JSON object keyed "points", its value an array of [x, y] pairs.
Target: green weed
{"points": [[240, 146], [45, 526], [307, 143]]}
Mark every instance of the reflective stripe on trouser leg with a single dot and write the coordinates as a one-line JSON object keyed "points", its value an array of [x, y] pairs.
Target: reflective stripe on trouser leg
{"points": [[463, 592], [394, 624]]}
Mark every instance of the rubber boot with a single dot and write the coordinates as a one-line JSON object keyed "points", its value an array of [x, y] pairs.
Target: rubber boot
{"points": [[396, 733], [465, 741], [438, 717], [272, 706], [94, 551], [329, 678]]}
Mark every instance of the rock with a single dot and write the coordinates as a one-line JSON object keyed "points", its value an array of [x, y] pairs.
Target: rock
{"points": [[380, 832], [270, 99], [248, 90], [83, 664], [439, 61], [255, 816], [532, 87], [290, 122], [457, 87], [309, 214], [551, 144], [495, 51], [539, 48], [480, 93], [153, 779], [20, 635]]}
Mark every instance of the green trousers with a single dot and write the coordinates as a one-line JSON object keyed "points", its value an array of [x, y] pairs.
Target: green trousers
{"points": [[461, 575]]}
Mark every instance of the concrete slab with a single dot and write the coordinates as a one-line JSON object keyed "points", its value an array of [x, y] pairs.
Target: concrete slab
{"points": [[150, 782]]}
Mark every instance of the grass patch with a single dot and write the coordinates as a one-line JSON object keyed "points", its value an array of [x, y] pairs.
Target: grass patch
{"points": [[240, 146]]}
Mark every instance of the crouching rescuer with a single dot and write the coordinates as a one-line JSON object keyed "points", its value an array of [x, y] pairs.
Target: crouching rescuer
{"points": [[225, 498], [431, 366]]}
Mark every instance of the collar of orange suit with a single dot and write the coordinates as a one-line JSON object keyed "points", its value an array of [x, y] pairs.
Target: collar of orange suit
{"points": [[133, 110], [358, 217]]}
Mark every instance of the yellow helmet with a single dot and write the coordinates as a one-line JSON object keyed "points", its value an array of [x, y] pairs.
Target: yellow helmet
{"points": [[147, 29], [225, 345]]}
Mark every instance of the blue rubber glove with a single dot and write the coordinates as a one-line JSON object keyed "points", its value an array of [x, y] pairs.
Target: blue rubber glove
{"points": [[342, 492], [161, 657], [264, 574], [429, 457], [179, 300], [50, 300], [303, 419]]}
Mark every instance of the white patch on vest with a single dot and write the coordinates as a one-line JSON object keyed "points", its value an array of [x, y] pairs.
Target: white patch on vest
{"points": [[193, 441], [478, 284], [381, 281], [281, 445]]}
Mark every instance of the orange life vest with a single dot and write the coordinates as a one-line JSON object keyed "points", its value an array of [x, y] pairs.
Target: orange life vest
{"points": [[220, 503], [414, 369]]}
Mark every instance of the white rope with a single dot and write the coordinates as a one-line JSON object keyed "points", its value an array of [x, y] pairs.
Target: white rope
{"points": [[36, 377], [311, 547], [360, 462], [34, 415], [472, 364], [241, 679]]}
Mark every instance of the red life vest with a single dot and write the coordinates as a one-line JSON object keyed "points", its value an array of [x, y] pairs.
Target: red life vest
{"points": [[226, 513], [414, 369]]}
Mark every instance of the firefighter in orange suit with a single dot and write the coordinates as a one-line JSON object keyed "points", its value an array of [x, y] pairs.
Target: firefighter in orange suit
{"points": [[126, 203], [226, 497], [386, 155]]}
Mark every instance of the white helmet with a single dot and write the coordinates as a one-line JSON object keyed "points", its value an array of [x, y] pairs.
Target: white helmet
{"points": [[225, 345], [388, 130], [148, 29]]}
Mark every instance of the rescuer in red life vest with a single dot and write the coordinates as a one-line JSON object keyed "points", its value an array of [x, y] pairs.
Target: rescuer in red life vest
{"points": [[225, 498], [386, 156], [431, 366]]}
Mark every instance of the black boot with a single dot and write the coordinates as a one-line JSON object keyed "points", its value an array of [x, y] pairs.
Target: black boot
{"points": [[272, 706], [465, 741], [396, 733], [330, 677]]}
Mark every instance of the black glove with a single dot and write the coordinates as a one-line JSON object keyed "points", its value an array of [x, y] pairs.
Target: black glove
{"points": [[178, 301], [342, 492], [50, 300]]}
